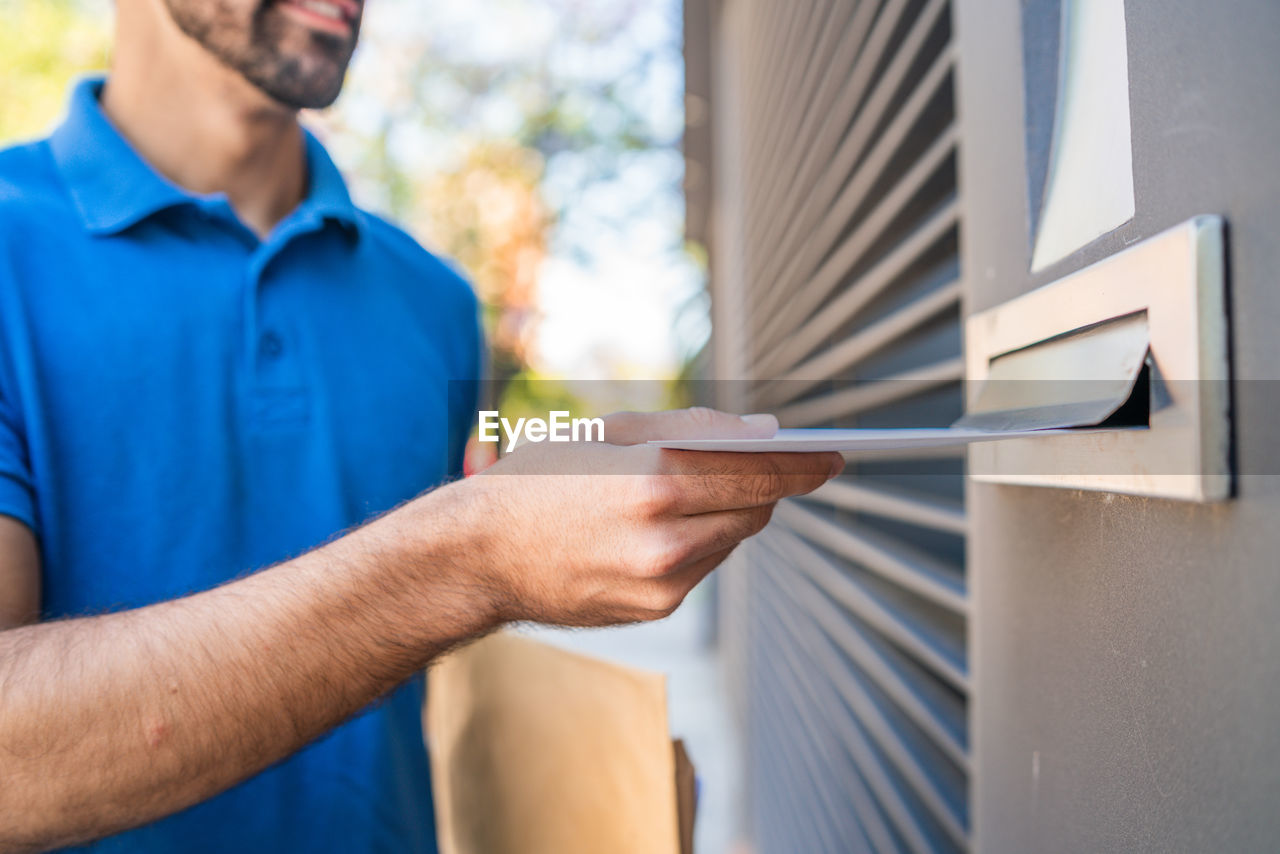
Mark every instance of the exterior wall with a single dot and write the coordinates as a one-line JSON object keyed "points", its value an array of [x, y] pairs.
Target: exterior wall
{"points": [[1126, 650], [1125, 680]]}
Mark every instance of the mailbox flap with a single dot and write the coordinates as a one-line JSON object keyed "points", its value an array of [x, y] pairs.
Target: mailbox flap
{"points": [[1078, 379]]}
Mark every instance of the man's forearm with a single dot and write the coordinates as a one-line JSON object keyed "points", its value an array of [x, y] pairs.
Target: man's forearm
{"points": [[111, 721]]}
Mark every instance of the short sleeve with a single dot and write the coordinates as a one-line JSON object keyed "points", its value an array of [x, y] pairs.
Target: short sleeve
{"points": [[17, 489]]}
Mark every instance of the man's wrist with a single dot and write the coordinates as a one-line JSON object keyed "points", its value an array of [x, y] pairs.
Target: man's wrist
{"points": [[428, 556]]}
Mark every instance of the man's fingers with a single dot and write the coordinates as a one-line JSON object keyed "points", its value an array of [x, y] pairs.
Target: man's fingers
{"points": [[698, 422], [659, 597], [711, 533], [689, 578], [706, 482]]}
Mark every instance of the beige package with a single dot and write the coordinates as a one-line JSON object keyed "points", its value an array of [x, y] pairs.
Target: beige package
{"points": [[540, 751]]}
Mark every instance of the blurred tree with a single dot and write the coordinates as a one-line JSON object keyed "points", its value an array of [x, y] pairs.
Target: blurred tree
{"points": [[489, 215], [481, 128], [44, 45]]}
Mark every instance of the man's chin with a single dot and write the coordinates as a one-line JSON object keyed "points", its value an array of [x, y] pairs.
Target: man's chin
{"points": [[291, 83], [306, 99]]}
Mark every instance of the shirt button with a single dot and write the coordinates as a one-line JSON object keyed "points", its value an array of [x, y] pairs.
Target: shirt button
{"points": [[270, 345]]}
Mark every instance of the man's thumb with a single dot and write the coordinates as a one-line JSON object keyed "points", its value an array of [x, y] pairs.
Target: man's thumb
{"points": [[698, 422]]}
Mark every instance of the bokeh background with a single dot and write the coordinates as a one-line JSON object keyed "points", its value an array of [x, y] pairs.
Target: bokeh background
{"points": [[536, 143]]}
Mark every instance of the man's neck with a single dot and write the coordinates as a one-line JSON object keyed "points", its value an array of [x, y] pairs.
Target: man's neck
{"points": [[208, 130]]}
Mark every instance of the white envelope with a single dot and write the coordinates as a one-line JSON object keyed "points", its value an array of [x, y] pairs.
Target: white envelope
{"points": [[830, 439]]}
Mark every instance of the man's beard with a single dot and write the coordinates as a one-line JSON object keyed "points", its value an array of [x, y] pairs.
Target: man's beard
{"points": [[297, 67]]}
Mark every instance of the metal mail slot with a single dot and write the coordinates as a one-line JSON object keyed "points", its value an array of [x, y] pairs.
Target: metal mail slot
{"points": [[1132, 351]]}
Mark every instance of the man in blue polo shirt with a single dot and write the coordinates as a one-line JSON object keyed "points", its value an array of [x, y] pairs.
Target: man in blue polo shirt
{"points": [[211, 362]]}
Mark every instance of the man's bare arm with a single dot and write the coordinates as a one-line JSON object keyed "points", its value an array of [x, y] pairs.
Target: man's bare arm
{"points": [[110, 722]]}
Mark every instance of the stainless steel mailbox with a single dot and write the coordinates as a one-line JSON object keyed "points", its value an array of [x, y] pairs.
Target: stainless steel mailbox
{"points": [[1141, 335]]}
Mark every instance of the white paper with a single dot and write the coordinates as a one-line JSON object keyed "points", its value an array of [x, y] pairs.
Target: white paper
{"points": [[826, 439]]}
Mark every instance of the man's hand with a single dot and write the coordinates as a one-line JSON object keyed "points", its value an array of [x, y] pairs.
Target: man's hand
{"points": [[628, 541]]}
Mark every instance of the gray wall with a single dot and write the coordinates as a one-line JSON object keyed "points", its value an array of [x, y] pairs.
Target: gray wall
{"points": [[1126, 651]]}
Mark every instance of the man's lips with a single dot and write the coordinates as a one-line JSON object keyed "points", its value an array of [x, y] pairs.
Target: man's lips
{"points": [[331, 16]]}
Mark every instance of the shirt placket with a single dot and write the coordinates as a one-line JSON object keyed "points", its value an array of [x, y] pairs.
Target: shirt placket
{"points": [[279, 396]]}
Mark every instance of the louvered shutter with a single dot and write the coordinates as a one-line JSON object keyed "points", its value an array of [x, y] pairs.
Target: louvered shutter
{"points": [[822, 176]]}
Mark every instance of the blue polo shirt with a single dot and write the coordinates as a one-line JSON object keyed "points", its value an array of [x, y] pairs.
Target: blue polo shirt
{"points": [[181, 402]]}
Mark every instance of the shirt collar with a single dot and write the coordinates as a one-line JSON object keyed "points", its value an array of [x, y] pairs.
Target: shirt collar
{"points": [[113, 188], [327, 194]]}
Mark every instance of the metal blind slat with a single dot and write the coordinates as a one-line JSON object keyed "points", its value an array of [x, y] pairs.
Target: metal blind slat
{"points": [[852, 248], [842, 405], [845, 306], [942, 724], [872, 822], [764, 127], [787, 115], [876, 728], [813, 200], [813, 740], [897, 562], [817, 242], [852, 350], [865, 42], [892, 794], [916, 509], [903, 631]]}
